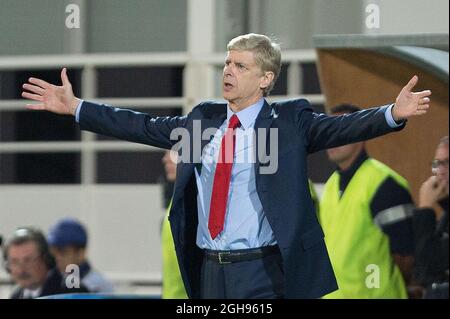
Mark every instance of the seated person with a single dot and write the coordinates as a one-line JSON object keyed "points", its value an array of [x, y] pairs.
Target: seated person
{"points": [[431, 228], [68, 243], [32, 267]]}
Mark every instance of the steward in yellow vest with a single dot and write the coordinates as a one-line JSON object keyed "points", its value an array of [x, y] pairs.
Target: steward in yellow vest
{"points": [[365, 213], [172, 284]]}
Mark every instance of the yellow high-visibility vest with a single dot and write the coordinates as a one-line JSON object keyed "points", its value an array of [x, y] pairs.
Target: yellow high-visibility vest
{"points": [[172, 285], [358, 248]]}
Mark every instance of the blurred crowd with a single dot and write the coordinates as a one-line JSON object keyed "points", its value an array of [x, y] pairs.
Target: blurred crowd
{"points": [[55, 264]]}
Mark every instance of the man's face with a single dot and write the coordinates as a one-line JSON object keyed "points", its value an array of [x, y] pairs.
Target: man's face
{"points": [[342, 154], [441, 157], [28, 269], [65, 256], [242, 79]]}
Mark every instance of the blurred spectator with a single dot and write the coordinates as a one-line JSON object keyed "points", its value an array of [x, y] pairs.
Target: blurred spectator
{"points": [[431, 228], [365, 212], [32, 268], [173, 287], [68, 242]]}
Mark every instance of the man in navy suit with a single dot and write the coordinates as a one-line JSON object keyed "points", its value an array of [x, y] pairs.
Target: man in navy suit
{"points": [[242, 218]]}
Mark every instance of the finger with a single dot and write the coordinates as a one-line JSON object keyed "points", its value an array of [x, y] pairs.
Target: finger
{"points": [[440, 187], [412, 83], [33, 88], [64, 78], [431, 179], [421, 112], [423, 107], [428, 183], [423, 94], [36, 107], [442, 184], [31, 96], [424, 100], [39, 82]]}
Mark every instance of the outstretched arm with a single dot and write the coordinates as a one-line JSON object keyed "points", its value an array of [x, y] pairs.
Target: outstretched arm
{"points": [[52, 98], [324, 131], [102, 119]]}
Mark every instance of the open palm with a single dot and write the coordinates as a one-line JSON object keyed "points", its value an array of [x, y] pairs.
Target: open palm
{"points": [[53, 98], [410, 103]]}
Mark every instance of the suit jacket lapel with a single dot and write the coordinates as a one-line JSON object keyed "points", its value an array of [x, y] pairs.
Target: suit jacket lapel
{"points": [[262, 130], [212, 124], [211, 121]]}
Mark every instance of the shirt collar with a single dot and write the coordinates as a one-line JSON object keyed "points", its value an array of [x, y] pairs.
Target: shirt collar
{"points": [[247, 116], [349, 172], [31, 293], [347, 175]]}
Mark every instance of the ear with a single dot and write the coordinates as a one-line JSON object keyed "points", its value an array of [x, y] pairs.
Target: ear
{"points": [[266, 79]]}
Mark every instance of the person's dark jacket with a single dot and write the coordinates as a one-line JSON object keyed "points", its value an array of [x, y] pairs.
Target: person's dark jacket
{"points": [[432, 250], [54, 285]]}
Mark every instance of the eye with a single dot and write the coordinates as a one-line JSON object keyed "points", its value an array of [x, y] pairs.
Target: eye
{"points": [[227, 63], [241, 66]]}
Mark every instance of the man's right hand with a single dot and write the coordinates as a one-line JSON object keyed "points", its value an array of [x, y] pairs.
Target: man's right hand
{"points": [[431, 191], [56, 99]]}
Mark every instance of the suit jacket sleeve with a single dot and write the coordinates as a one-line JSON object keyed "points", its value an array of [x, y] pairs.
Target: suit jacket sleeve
{"points": [[129, 125], [322, 131]]}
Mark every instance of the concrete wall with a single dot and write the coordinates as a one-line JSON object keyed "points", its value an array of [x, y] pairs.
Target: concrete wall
{"points": [[38, 26]]}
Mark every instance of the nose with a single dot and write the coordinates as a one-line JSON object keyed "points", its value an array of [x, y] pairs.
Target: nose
{"points": [[227, 71], [441, 172]]}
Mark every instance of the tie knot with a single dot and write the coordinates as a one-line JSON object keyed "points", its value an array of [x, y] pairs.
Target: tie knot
{"points": [[234, 122]]}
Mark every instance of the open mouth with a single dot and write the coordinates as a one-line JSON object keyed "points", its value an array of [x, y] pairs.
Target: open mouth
{"points": [[227, 86]]}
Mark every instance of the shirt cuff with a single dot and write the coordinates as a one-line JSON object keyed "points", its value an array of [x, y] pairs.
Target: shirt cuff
{"points": [[390, 119], [77, 112]]}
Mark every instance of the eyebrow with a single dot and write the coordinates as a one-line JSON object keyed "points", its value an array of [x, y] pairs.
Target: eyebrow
{"points": [[237, 63], [25, 258]]}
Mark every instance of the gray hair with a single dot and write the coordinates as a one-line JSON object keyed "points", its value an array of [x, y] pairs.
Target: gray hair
{"points": [[443, 141], [29, 234], [267, 53]]}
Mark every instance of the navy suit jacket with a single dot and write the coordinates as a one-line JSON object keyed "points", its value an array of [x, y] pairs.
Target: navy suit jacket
{"points": [[284, 195]]}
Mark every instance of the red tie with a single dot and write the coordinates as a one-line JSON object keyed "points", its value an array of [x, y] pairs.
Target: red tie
{"points": [[222, 178]]}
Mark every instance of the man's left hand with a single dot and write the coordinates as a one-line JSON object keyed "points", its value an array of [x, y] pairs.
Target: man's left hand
{"points": [[410, 103]]}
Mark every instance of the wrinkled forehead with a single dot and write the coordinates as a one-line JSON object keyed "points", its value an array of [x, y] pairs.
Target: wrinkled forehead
{"points": [[241, 56], [28, 248], [441, 152]]}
